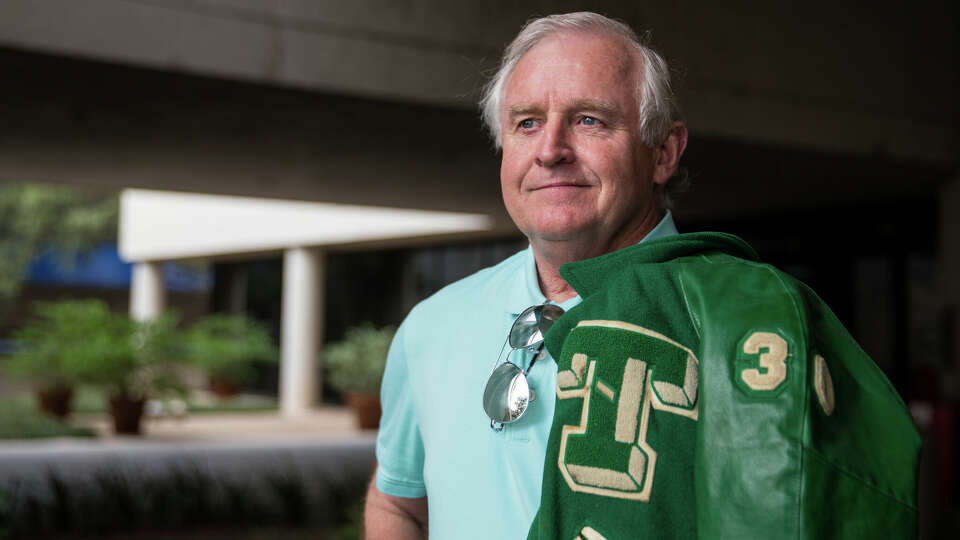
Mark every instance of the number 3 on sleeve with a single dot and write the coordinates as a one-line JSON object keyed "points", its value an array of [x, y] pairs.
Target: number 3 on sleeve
{"points": [[761, 363]]}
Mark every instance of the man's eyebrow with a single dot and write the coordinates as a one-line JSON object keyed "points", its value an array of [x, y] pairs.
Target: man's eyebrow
{"points": [[597, 105], [522, 109], [606, 108]]}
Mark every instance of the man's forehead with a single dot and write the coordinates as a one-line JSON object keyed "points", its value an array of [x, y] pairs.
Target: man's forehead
{"points": [[589, 64], [573, 47]]}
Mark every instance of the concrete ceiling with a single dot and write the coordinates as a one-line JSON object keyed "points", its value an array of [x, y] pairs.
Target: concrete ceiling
{"points": [[371, 102], [95, 124], [822, 75]]}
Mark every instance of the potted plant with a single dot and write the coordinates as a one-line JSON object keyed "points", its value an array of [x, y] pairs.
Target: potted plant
{"points": [[228, 348], [131, 361], [159, 355], [45, 346], [355, 367]]}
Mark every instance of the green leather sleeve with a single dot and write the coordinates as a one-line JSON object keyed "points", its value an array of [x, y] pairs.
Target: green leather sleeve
{"points": [[860, 461], [748, 448], [775, 456]]}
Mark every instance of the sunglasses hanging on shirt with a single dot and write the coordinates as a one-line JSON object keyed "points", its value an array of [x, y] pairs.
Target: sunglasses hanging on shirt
{"points": [[508, 394]]}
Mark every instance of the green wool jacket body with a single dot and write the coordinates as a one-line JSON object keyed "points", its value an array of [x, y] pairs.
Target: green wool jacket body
{"points": [[702, 394]]}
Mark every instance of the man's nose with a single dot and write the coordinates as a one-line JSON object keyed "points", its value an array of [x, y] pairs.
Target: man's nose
{"points": [[554, 145]]}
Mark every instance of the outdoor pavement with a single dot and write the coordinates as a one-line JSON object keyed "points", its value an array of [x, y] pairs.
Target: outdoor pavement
{"points": [[324, 423]]}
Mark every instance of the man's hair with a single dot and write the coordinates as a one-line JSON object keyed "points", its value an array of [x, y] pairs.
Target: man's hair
{"points": [[658, 105]]}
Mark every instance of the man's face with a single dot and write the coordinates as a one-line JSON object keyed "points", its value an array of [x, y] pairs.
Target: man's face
{"points": [[574, 168]]}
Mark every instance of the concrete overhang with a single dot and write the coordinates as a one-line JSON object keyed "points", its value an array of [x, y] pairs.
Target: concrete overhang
{"points": [[165, 225]]}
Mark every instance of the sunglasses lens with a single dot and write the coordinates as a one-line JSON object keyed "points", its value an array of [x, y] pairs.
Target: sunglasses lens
{"points": [[532, 325], [507, 394]]}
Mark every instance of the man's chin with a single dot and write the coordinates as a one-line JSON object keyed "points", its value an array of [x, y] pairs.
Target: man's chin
{"points": [[562, 233]]}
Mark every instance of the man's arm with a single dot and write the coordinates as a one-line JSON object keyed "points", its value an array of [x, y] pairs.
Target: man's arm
{"points": [[394, 518]]}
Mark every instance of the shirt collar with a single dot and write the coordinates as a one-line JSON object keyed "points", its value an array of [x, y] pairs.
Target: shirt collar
{"points": [[665, 228], [527, 291]]}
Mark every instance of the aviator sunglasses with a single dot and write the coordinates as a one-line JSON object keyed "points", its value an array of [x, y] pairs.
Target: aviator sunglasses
{"points": [[507, 394]]}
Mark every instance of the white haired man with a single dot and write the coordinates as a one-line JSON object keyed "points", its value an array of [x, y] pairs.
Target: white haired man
{"points": [[687, 390]]}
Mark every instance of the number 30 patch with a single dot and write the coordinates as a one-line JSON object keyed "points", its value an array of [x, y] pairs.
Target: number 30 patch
{"points": [[762, 365]]}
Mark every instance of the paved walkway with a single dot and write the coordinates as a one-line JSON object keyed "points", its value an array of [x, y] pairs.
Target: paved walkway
{"points": [[319, 424]]}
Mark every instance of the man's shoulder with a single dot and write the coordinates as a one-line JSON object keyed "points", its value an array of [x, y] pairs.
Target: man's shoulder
{"points": [[480, 288], [756, 276], [731, 288]]}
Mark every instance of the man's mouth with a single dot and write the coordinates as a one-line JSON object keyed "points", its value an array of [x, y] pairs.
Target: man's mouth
{"points": [[559, 185]]}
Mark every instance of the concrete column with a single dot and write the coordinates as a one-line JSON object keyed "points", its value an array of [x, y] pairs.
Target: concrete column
{"points": [[303, 291], [147, 299]]}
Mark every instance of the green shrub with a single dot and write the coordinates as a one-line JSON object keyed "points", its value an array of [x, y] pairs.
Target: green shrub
{"points": [[356, 364], [82, 342], [230, 346], [132, 359], [53, 345], [176, 499]]}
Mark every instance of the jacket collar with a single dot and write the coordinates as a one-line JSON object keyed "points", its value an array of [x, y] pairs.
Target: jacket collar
{"points": [[589, 275], [525, 292]]}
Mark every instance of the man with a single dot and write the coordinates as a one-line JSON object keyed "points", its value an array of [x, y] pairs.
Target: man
{"points": [[694, 393]]}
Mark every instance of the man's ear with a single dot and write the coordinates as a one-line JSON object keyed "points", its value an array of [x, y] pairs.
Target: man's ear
{"points": [[669, 152]]}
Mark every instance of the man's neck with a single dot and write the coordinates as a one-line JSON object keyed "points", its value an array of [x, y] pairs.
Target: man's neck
{"points": [[551, 255], [551, 284]]}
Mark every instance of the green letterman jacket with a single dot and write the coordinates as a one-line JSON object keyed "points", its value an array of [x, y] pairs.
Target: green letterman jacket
{"points": [[702, 394]]}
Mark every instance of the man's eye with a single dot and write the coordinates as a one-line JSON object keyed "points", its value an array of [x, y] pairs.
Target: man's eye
{"points": [[589, 121], [526, 124]]}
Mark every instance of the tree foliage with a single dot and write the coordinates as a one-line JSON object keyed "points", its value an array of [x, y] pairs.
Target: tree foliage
{"points": [[34, 217]]}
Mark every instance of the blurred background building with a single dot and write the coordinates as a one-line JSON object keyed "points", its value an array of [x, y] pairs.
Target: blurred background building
{"points": [[327, 159]]}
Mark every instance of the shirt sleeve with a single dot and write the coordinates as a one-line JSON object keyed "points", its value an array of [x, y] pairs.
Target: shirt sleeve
{"points": [[399, 446]]}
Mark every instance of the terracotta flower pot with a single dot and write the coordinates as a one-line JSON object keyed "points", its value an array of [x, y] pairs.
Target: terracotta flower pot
{"points": [[127, 413], [223, 388], [366, 409], [55, 401]]}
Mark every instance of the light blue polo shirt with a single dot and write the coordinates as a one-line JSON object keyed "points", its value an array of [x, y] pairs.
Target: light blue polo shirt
{"points": [[434, 436]]}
